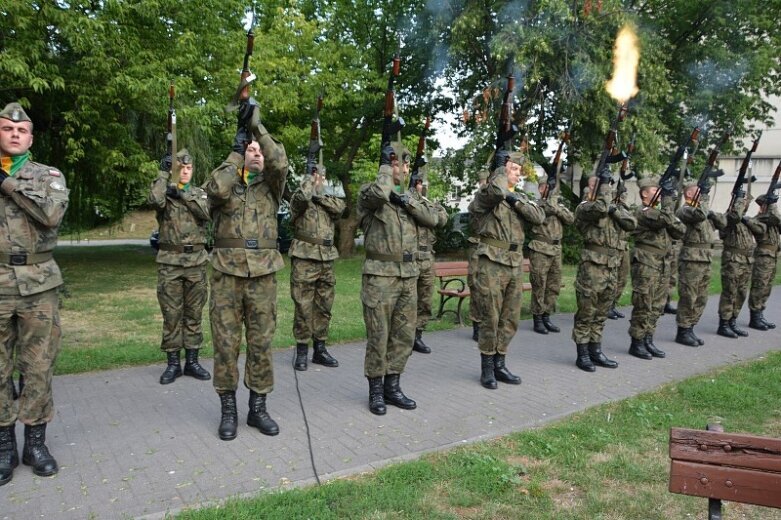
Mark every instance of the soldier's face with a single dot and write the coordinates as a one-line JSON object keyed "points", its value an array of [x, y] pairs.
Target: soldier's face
{"points": [[513, 171], [689, 193], [646, 194], [419, 187], [185, 173], [543, 189], [253, 158], [15, 138], [398, 176]]}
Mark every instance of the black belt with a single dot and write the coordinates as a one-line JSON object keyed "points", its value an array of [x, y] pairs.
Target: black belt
{"points": [[25, 258], [501, 244], [245, 243], [403, 257], [183, 248]]}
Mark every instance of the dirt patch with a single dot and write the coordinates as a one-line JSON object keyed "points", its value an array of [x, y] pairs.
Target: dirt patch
{"points": [[565, 496]]}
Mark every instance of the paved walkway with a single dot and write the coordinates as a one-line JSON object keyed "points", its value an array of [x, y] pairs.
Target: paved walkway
{"points": [[128, 447]]}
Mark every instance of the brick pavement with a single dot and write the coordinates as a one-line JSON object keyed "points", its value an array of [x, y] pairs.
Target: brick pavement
{"points": [[129, 447]]}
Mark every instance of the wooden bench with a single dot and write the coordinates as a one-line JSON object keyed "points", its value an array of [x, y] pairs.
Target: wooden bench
{"points": [[725, 466], [455, 273]]}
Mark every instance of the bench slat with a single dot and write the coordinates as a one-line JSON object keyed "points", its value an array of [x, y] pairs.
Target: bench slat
{"points": [[729, 449], [726, 483]]}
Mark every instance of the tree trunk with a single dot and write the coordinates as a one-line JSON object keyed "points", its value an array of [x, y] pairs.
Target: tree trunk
{"points": [[347, 228]]}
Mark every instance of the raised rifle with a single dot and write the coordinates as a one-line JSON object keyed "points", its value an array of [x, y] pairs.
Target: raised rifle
{"points": [[242, 92], [315, 141], [709, 172], [771, 189], [420, 156], [553, 179], [506, 130], [625, 173], [170, 138], [742, 178], [608, 156], [673, 170], [389, 125]]}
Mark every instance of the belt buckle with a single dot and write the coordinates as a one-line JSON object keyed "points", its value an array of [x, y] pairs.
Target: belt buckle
{"points": [[18, 259], [187, 248], [513, 247], [407, 257], [328, 242], [251, 243], [423, 248]]}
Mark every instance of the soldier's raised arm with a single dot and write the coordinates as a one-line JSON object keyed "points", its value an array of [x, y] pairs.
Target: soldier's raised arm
{"points": [[45, 200]]}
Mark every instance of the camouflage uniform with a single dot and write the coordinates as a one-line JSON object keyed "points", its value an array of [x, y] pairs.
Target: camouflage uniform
{"points": [[426, 240], [312, 254], [765, 262], [545, 256], [244, 262], [181, 259]]}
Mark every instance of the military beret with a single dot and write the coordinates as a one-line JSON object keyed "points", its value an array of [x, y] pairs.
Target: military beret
{"points": [[647, 182], [517, 157], [184, 156], [15, 113]]}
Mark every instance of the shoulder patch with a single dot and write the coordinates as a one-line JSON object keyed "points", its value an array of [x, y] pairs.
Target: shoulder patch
{"points": [[57, 186], [54, 173]]}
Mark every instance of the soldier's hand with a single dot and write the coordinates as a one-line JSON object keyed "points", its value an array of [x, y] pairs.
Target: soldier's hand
{"points": [[744, 220], [387, 154], [668, 187], [173, 192], [605, 177], [512, 198], [166, 163], [399, 200], [740, 194], [612, 209], [704, 190], [241, 140], [711, 214]]}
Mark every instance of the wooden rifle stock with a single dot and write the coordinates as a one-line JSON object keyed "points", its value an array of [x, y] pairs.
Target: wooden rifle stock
{"points": [[707, 171]]}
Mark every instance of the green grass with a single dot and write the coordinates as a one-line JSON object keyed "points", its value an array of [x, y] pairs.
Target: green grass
{"points": [[111, 318], [609, 462]]}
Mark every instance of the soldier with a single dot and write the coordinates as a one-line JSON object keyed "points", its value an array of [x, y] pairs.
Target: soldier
{"points": [[599, 221], [312, 254], [244, 195], [34, 199], [426, 239], [182, 215], [545, 258], [765, 260], [502, 215], [650, 264], [737, 258], [695, 264], [389, 287], [626, 258], [474, 316]]}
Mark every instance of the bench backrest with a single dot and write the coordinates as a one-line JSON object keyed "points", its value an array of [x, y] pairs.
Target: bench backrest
{"points": [[449, 269], [726, 466]]}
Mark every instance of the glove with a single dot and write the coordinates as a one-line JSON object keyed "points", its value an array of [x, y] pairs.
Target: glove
{"points": [[245, 113], [704, 190], [771, 199], [500, 158], [386, 155], [668, 186], [512, 198], [173, 192], [740, 194], [711, 214], [166, 163], [612, 209], [241, 140], [604, 176], [399, 200], [744, 220]]}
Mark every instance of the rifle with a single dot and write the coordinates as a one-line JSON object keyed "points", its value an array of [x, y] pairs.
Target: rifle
{"points": [[506, 130], [608, 157], [170, 138], [553, 179], [708, 172], [420, 156], [623, 176], [389, 126], [673, 170], [315, 142], [247, 77], [771, 189], [737, 188]]}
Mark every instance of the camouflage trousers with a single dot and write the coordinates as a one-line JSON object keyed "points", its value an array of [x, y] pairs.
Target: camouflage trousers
{"points": [[30, 337], [545, 277], [181, 293], [312, 288], [623, 274], [498, 292], [595, 288], [471, 269], [649, 293], [425, 291], [671, 259], [389, 315], [735, 277], [693, 284], [252, 302], [762, 276]]}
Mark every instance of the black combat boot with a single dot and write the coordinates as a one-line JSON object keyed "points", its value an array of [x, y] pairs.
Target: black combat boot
{"points": [[549, 324], [598, 357], [9, 456], [173, 370], [35, 452], [756, 321], [393, 394], [321, 355], [502, 373], [301, 352], [685, 336], [669, 308], [258, 417], [733, 324], [583, 361], [612, 313], [725, 330], [376, 400], [419, 346], [768, 324], [638, 350], [487, 377], [653, 349], [229, 420], [475, 330], [192, 367], [539, 327]]}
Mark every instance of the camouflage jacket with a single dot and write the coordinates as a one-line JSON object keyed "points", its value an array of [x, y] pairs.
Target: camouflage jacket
{"points": [[767, 225], [653, 232], [248, 212], [182, 221], [600, 223], [32, 204], [426, 236], [390, 231], [547, 236], [623, 235], [314, 217], [737, 237], [500, 226], [698, 238]]}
